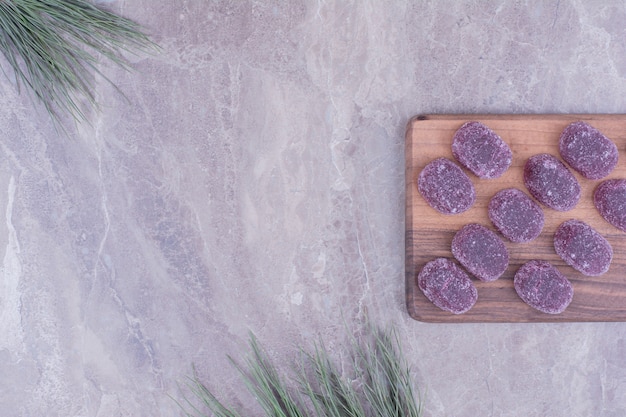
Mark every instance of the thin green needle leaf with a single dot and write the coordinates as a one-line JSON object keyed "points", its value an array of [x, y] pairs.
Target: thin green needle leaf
{"points": [[383, 385], [54, 48]]}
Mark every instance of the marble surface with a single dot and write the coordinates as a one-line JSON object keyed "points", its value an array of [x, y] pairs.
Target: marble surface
{"points": [[252, 180]]}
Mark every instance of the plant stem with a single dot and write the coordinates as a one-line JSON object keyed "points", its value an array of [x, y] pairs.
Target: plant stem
{"points": [[53, 47]]}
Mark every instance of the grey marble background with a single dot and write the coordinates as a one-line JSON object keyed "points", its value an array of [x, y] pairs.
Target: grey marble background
{"points": [[253, 180]]}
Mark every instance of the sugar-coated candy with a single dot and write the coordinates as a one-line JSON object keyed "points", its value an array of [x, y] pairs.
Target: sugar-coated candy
{"points": [[551, 182], [587, 150], [540, 285], [610, 200], [447, 286], [480, 251], [516, 215], [445, 187], [583, 248], [481, 150]]}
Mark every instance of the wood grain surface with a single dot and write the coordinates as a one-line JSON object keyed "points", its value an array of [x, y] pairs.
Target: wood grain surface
{"points": [[429, 233]]}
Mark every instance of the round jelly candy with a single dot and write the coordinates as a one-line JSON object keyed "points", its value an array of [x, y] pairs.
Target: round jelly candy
{"points": [[516, 215], [610, 200], [583, 248], [445, 187], [540, 285], [550, 182], [481, 150], [480, 251], [447, 286], [587, 150]]}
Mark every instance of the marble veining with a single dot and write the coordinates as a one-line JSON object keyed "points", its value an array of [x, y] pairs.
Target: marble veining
{"points": [[251, 178]]}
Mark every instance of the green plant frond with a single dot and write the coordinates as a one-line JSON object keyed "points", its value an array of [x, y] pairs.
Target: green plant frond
{"points": [[263, 381], [384, 388], [54, 48], [206, 397], [330, 394], [388, 385]]}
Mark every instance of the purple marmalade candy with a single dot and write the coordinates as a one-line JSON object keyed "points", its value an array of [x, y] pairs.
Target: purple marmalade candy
{"points": [[516, 215], [588, 151], [610, 200], [550, 182], [445, 187], [581, 247], [481, 150], [543, 287], [480, 251], [447, 286]]}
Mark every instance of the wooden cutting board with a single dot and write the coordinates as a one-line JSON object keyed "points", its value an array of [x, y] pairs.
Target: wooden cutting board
{"points": [[429, 234]]}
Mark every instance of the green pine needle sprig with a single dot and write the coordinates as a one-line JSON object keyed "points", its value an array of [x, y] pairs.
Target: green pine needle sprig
{"points": [[331, 393], [380, 385], [54, 48], [388, 385], [263, 381]]}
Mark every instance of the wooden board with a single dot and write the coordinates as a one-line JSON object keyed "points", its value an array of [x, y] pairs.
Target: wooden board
{"points": [[429, 233]]}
